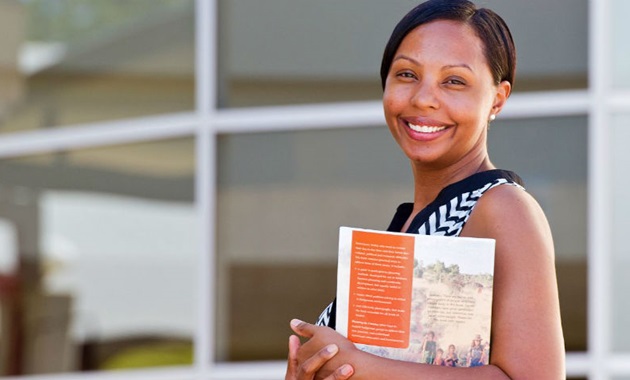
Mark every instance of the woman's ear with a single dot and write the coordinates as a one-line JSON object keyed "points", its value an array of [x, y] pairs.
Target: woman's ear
{"points": [[504, 89]]}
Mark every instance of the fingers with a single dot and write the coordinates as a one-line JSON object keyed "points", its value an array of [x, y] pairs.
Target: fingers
{"points": [[292, 362], [302, 328], [342, 373], [294, 345], [309, 367]]}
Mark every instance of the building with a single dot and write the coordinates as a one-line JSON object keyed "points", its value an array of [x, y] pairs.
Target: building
{"points": [[169, 168]]}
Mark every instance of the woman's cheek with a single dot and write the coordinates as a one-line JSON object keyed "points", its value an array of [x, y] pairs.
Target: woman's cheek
{"points": [[391, 110], [388, 102]]}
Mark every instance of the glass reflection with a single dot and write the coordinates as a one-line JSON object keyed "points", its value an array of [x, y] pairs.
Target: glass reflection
{"points": [[270, 54], [290, 192], [554, 171], [306, 184], [620, 55], [621, 251], [97, 258], [77, 61]]}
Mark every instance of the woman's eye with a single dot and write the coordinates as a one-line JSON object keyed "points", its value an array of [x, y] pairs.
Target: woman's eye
{"points": [[406, 74], [455, 81]]}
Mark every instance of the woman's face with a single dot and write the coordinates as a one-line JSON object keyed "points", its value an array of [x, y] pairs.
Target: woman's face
{"points": [[439, 95]]}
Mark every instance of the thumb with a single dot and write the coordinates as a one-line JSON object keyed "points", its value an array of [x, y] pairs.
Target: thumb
{"points": [[302, 328]]}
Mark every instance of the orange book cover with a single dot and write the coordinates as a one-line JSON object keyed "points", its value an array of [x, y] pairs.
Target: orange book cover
{"points": [[419, 298]]}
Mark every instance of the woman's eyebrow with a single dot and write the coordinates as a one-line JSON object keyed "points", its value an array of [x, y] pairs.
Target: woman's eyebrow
{"points": [[445, 67], [459, 65], [402, 56]]}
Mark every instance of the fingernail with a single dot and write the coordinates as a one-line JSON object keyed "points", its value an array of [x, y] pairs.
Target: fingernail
{"points": [[332, 348], [295, 322], [346, 369]]}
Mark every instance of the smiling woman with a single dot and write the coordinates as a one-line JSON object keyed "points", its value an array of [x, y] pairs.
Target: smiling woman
{"points": [[447, 71], [439, 90]]}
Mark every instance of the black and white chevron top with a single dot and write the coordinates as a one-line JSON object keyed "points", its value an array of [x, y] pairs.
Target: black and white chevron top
{"points": [[445, 216]]}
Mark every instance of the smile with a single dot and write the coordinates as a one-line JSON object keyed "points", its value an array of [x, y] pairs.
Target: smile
{"points": [[426, 128]]}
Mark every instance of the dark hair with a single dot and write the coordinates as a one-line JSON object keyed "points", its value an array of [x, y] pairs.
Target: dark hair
{"points": [[497, 40]]}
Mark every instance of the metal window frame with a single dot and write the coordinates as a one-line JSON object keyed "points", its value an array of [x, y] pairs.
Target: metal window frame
{"points": [[598, 102]]}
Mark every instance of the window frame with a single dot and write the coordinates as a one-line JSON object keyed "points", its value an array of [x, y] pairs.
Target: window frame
{"points": [[599, 101]]}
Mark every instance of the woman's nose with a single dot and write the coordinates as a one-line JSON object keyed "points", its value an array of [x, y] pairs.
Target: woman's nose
{"points": [[425, 95]]}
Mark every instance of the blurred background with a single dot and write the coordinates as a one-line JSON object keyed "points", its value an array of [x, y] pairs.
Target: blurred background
{"points": [[173, 174]]}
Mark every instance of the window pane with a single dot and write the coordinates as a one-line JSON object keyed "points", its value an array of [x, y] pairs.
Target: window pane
{"points": [[554, 170], [290, 191], [551, 40], [621, 249], [621, 55], [76, 61], [271, 54], [97, 258]]}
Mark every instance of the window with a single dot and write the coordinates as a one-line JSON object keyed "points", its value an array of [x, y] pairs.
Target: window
{"points": [[72, 62], [140, 141], [106, 243]]}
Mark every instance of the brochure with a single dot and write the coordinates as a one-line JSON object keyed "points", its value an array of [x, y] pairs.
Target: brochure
{"points": [[419, 298]]}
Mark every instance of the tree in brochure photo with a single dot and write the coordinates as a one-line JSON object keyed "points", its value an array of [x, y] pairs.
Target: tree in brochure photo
{"points": [[417, 298]]}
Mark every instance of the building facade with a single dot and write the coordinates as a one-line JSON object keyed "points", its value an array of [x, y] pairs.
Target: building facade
{"points": [[173, 174]]}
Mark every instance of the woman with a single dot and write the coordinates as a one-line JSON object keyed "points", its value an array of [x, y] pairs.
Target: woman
{"points": [[447, 71]]}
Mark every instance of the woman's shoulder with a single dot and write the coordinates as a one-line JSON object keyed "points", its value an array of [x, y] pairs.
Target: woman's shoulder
{"points": [[477, 185], [512, 217], [508, 203], [515, 220]]}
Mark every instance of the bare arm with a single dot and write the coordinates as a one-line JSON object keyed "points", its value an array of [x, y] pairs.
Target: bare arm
{"points": [[526, 312]]}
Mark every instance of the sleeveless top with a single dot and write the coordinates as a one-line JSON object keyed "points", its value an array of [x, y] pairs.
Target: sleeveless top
{"points": [[445, 216]]}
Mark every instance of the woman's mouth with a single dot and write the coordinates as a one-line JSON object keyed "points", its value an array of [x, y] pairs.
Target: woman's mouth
{"points": [[426, 128]]}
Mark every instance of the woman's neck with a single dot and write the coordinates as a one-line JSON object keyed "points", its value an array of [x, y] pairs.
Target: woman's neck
{"points": [[428, 182]]}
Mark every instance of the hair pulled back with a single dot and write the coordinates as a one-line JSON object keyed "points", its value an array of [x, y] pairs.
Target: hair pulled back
{"points": [[498, 45]]}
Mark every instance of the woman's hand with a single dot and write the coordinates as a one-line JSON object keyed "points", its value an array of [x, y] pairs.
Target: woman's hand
{"points": [[306, 361]]}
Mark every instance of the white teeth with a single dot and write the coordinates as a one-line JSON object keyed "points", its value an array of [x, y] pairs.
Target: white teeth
{"points": [[425, 128]]}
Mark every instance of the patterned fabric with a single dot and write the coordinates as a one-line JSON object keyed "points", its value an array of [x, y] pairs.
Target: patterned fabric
{"points": [[449, 219], [445, 216], [328, 316]]}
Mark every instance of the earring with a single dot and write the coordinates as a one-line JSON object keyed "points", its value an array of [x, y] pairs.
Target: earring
{"points": [[492, 117]]}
